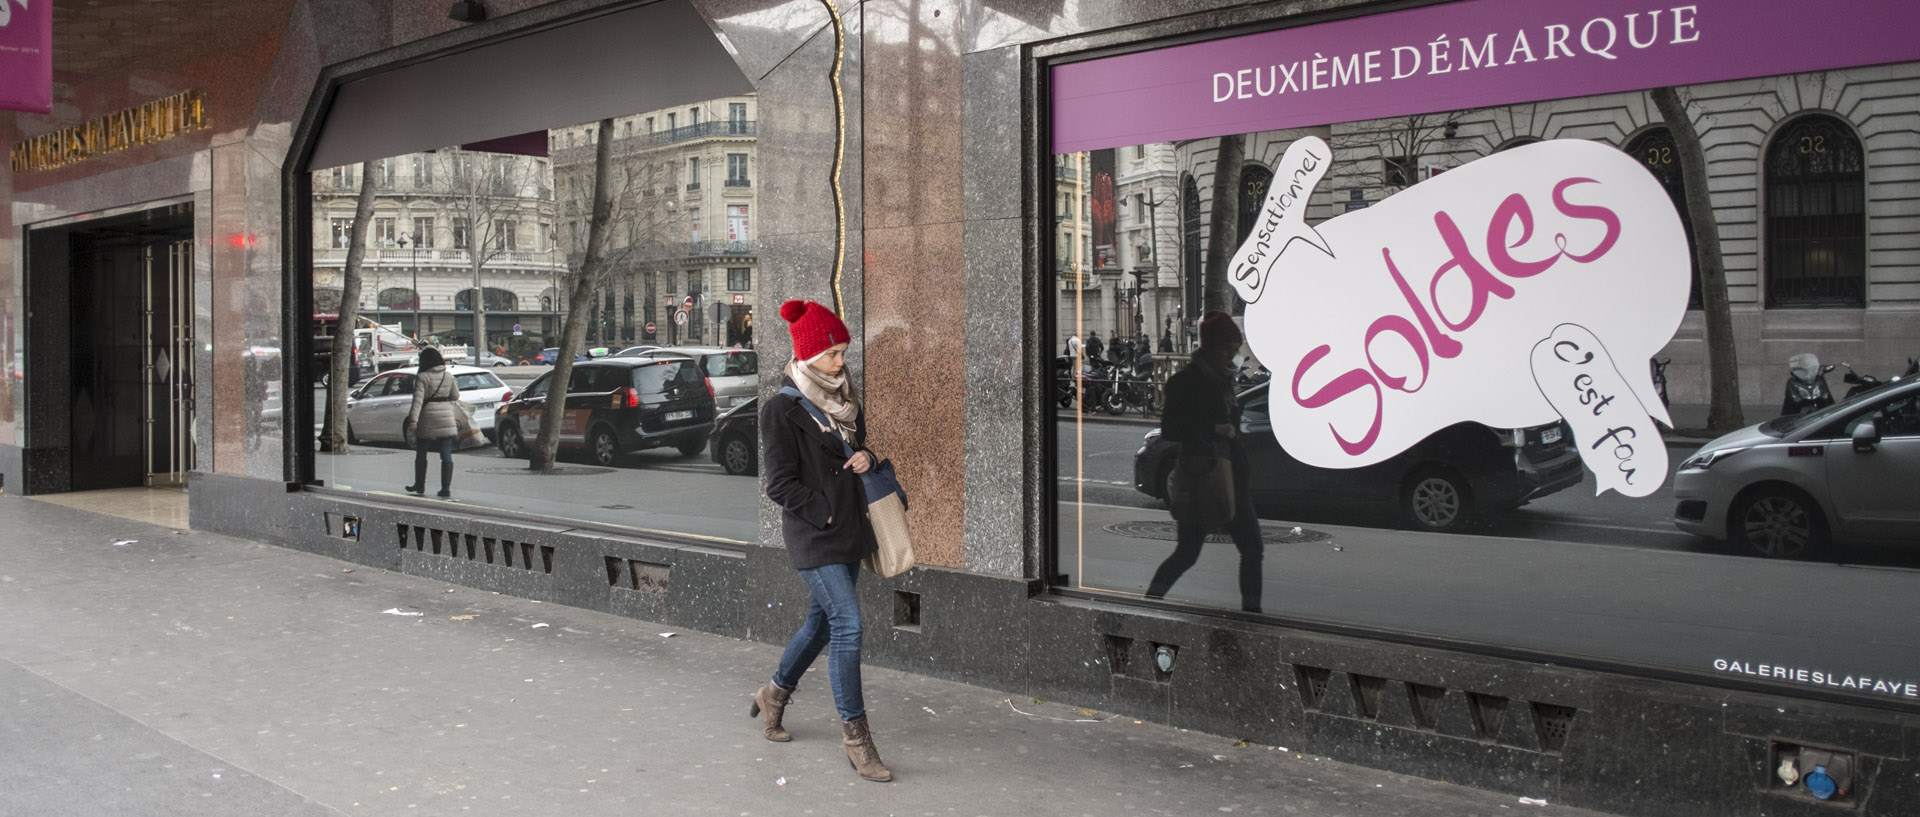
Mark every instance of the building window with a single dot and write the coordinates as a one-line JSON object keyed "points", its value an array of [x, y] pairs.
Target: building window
{"points": [[422, 170], [739, 279], [737, 170], [693, 217], [693, 173], [649, 124], [461, 230], [736, 117], [342, 230], [505, 235], [737, 223], [693, 116], [1397, 171], [383, 232], [1816, 245], [629, 129], [383, 171], [670, 121], [422, 233], [1653, 148]]}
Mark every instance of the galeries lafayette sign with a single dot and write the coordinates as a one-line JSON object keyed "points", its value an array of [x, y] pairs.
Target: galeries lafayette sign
{"points": [[1466, 54]]}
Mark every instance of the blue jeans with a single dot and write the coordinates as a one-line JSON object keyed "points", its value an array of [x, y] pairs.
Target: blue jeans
{"points": [[833, 624]]}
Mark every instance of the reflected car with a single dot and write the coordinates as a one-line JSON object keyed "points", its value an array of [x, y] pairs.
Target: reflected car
{"points": [[377, 410], [635, 351], [551, 355], [1787, 487], [735, 373], [1457, 475], [736, 439], [615, 407]]}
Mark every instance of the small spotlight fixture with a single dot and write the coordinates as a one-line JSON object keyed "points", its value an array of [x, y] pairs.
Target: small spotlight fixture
{"points": [[467, 11]]}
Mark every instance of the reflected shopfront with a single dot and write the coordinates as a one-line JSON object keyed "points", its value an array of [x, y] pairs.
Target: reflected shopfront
{"points": [[1452, 277]]}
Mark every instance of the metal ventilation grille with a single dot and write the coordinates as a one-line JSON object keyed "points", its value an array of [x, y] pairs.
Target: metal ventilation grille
{"points": [[1555, 722], [487, 549]]}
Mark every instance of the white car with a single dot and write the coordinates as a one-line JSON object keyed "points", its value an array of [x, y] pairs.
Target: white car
{"points": [[1783, 488], [378, 408]]}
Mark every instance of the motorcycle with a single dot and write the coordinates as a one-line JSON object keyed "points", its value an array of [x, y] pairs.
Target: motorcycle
{"points": [[1863, 383], [1136, 386], [1806, 385], [1103, 388]]}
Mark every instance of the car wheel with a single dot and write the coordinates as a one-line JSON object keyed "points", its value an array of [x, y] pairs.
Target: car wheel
{"points": [[603, 447], [508, 438], [1435, 499], [737, 455], [1166, 483], [1777, 522], [692, 445]]}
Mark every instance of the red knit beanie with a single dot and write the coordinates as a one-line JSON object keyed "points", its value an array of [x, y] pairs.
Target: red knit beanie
{"points": [[814, 328], [1217, 329]]}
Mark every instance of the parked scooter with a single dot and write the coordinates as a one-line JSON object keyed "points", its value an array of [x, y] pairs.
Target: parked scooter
{"points": [[1863, 383], [1102, 386], [1806, 385]]}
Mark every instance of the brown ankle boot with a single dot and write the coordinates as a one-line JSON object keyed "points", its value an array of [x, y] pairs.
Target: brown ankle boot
{"points": [[861, 752], [769, 703]]}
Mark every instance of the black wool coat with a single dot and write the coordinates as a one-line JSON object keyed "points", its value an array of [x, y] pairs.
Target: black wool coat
{"points": [[802, 468]]}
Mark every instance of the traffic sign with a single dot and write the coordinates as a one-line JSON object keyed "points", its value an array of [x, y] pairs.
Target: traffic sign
{"points": [[651, 328], [680, 318], [688, 303]]}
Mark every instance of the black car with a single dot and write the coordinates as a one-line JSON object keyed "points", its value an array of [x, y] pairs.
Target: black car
{"points": [[615, 407], [736, 439], [1441, 483]]}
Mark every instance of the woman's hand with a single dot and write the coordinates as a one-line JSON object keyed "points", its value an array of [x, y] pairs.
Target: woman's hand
{"points": [[859, 463]]}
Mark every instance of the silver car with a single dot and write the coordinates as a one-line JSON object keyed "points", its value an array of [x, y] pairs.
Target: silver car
{"points": [[1786, 487], [378, 409], [734, 373]]}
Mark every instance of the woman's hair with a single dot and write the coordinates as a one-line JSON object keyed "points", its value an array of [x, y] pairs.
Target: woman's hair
{"points": [[430, 357]]}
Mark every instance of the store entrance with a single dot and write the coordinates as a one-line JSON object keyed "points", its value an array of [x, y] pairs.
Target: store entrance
{"points": [[129, 390]]}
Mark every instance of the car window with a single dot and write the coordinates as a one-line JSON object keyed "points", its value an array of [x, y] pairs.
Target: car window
{"points": [[689, 376], [538, 388], [732, 364], [477, 381], [594, 379], [655, 378], [1895, 418]]}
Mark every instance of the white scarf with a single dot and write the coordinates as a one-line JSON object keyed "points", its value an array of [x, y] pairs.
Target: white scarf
{"points": [[830, 394]]}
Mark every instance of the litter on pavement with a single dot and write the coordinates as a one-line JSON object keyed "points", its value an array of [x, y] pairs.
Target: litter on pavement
{"points": [[1529, 801], [395, 611], [120, 543]]}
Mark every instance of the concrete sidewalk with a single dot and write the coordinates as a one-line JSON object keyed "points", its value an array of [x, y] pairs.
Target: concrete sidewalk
{"points": [[157, 671]]}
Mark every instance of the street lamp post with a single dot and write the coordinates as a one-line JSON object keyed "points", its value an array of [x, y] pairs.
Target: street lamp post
{"points": [[412, 242]]}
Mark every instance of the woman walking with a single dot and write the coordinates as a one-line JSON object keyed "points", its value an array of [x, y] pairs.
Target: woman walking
{"points": [[431, 420], [1204, 413], [823, 520]]}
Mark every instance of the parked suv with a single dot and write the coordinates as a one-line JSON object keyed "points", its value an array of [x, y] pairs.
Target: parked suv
{"points": [[735, 373], [615, 407], [1441, 483]]}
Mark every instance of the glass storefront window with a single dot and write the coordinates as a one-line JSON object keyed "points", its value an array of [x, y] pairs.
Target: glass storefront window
{"points": [[1405, 304], [646, 407]]}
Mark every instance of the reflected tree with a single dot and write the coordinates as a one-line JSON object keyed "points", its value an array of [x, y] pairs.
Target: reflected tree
{"points": [[337, 378], [486, 196], [1216, 291], [581, 282], [1723, 373]]}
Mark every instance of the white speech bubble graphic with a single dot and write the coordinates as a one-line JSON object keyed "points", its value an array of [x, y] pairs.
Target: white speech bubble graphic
{"points": [[1423, 310], [1615, 434], [1283, 217]]}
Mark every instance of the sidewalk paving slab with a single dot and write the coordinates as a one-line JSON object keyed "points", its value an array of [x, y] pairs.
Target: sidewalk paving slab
{"points": [[190, 673]]}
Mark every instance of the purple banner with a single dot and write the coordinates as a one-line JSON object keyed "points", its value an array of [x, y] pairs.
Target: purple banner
{"points": [[26, 55], [1465, 54]]}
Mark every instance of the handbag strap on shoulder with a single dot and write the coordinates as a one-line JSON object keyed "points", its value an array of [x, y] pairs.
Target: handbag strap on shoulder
{"points": [[818, 415]]}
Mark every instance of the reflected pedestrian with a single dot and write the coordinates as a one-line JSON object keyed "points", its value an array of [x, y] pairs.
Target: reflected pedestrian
{"points": [[823, 518], [431, 422], [1203, 417]]}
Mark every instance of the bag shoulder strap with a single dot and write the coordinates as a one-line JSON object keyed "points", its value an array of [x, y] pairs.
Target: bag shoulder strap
{"points": [[818, 415]]}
